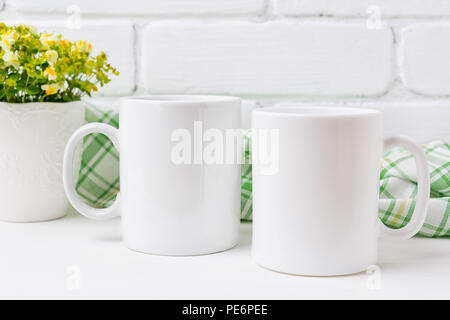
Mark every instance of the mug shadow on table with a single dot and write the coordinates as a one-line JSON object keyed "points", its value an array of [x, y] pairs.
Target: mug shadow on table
{"points": [[114, 234], [393, 255]]}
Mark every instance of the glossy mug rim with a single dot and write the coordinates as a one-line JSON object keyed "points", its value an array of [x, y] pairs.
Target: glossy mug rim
{"points": [[178, 99]]}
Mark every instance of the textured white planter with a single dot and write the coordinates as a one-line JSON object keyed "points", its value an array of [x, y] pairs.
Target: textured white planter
{"points": [[32, 141]]}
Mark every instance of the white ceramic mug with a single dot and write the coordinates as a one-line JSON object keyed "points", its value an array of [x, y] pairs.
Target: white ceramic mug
{"points": [[317, 214], [168, 208]]}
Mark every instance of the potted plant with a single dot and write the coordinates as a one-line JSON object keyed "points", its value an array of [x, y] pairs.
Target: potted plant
{"points": [[42, 80]]}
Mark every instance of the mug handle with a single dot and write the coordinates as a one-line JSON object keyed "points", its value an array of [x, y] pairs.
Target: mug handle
{"points": [[68, 180], [423, 193]]}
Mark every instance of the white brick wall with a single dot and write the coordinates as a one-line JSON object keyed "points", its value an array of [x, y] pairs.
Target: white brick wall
{"points": [[146, 7], [339, 52], [266, 59], [425, 58], [361, 7]]}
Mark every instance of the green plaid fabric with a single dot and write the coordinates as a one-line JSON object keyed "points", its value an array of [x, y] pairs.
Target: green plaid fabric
{"points": [[99, 179], [246, 187], [399, 187], [98, 182]]}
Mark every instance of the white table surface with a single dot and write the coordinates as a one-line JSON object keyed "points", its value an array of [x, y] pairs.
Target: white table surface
{"points": [[78, 258]]}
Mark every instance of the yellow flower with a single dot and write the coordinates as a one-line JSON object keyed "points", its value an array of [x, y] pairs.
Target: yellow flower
{"points": [[48, 39], [51, 88], [11, 59], [63, 42], [50, 73], [8, 39], [4, 44], [83, 46], [51, 56], [12, 34]]}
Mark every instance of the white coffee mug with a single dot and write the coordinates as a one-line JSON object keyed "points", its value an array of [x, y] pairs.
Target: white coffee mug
{"points": [[171, 201], [317, 214]]}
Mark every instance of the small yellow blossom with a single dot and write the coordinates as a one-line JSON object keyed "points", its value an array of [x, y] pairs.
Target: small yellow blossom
{"points": [[12, 34], [50, 73], [8, 39], [52, 57], [11, 59], [48, 39], [4, 44], [83, 46], [51, 88], [63, 42]]}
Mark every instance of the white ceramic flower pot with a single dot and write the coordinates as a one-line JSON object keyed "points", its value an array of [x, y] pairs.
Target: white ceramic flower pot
{"points": [[32, 141]]}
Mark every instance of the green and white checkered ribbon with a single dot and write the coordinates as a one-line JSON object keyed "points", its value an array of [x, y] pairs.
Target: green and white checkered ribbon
{"points": [[99, 179]]}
